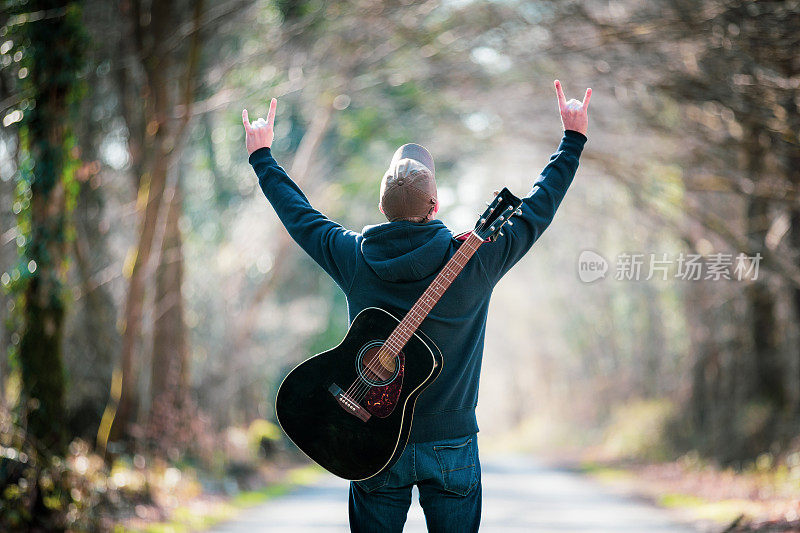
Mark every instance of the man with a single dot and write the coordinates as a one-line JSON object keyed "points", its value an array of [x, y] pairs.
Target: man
{"points": [[390, 265]]}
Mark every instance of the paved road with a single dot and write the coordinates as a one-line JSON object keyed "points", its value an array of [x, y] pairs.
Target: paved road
{"points": [[519, 495]]}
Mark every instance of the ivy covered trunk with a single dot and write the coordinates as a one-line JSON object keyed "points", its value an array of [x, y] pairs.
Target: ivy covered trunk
{"points": [[53, 59]]}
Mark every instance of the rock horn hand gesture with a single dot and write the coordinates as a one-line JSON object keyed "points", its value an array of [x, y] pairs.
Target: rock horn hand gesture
{"points": [[574, 114], [259, 134]]}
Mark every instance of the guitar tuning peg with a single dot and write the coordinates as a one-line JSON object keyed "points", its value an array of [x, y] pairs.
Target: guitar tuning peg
{"points": [[500, 233], [510, 223], [483, 220], [491, 228], [518, 212], [501, 217], [509, 208]]}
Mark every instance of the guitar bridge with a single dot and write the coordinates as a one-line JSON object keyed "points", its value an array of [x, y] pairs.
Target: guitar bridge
{"points": [[348, 404]]}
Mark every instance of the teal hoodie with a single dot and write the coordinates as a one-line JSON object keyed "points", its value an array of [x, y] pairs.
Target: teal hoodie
{"points": [[390, 265]]}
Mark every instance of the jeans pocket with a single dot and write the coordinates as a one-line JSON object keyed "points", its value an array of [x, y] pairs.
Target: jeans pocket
{"points": [[375, 482], [458, 462]]}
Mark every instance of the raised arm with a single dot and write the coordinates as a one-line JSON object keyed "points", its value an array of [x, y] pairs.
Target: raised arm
{"points": [[539, 207], [328, 243]]}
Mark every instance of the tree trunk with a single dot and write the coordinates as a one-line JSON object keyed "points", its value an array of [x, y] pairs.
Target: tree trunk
{"points": [[91, 342], [768, 385], [151, 34], [8, 257], [170, 353], [654, 348], [151, 190], [55, 56], [792, 173]]}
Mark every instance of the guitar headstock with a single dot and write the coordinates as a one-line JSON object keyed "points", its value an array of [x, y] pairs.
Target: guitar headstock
{"points": [[500, 210]]}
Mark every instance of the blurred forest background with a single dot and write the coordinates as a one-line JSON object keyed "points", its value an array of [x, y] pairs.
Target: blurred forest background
{"points": [[152, 302]]}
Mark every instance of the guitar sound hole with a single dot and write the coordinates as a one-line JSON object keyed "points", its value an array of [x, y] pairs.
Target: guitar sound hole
{"points": [[376, 371]]}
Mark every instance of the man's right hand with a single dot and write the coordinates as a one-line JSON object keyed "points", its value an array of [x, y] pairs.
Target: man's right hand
{"points": [[574, 114]]}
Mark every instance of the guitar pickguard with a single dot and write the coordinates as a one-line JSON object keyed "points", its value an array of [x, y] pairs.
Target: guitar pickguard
{"points": [[381, 400]]}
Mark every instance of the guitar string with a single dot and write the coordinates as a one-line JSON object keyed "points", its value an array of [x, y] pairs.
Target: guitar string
{"points": [[437, 288], [394, 345], [391, 344], [417, 315], [360, 387], [440, 284]]}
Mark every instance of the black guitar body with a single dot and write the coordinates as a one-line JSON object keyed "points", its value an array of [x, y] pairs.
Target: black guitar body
{"points": [[346, 410]]}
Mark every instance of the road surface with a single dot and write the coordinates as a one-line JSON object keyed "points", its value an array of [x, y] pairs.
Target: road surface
{"points": [[519, 494]]}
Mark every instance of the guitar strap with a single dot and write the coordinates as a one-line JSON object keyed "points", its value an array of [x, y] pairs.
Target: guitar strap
{"points": [[463, 236]]}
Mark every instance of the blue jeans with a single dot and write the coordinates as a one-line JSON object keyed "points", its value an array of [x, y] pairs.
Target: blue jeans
{"points": [[448, 476]]}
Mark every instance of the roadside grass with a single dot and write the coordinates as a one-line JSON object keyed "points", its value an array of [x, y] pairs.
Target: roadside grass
{"points": [[691, 491], [720, 511], [604, 472], [205, 513], [723, 511]]}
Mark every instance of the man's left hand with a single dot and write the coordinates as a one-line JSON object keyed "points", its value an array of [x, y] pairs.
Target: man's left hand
{"points": [[259, 134]]}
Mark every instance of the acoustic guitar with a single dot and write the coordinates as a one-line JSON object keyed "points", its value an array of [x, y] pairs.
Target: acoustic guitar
{"points": [[350, 408]]}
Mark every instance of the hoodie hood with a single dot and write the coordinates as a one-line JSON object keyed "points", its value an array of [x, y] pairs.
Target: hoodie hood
{"points": [[406, 251]]}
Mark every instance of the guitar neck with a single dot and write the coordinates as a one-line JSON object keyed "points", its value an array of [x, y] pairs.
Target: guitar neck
{"points": [[406, 328]]}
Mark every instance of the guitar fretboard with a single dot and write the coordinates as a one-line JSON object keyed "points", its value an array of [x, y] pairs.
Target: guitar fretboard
{"points": [[406, 328]]}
